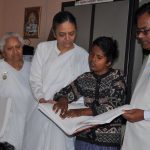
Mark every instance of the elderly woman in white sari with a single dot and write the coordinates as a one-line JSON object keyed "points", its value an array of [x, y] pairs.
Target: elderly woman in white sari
{"points": [[14, 84], [55, 64]]}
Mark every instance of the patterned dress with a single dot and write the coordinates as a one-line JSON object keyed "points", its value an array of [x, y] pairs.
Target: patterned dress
{"points": [[101, 93]]}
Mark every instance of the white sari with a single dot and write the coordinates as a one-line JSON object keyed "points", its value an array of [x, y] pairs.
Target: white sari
{"points": [[137, 134], [49, 73], [15, 85]]}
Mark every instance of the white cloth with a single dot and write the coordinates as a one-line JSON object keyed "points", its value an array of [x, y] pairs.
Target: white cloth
{"points": [[49, 73], [146, 114], [137, 134], [5, 107], [15, 84]]}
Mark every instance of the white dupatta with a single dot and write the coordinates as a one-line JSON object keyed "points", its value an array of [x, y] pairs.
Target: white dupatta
{"points": [[62, 71], [51, 70]]}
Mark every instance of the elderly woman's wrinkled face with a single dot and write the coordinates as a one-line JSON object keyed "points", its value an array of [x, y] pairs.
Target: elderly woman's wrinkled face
{"points": [[13, 50]]}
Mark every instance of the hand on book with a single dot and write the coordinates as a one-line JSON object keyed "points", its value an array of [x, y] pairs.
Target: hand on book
{"points": [[62, 106], [78, 112], [42, 100], [73, 113], [134, 115]]}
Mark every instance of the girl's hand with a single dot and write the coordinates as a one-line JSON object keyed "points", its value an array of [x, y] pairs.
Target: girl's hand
{"points": [[78, 112], [61, 105], [73, 113]]}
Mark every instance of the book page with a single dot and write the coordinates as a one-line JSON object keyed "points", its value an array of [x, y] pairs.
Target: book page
{"points": [[68, 125], [76, 124], [108, 116]]}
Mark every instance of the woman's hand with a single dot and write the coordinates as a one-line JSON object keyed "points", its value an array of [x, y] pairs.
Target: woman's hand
{"points": [[42, 100], [61, 105]]}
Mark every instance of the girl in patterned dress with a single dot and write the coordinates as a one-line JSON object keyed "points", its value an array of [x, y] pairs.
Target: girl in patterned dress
{"points": [[103, 89]]}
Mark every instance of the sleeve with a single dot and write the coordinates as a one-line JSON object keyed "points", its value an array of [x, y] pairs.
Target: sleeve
{"points": [[82, 60], [71, 92], [85, 64], [147, 115], [114, 98], [36, 74]]}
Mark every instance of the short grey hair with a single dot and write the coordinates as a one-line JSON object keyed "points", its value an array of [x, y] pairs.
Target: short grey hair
{"points": [[9, 35]]}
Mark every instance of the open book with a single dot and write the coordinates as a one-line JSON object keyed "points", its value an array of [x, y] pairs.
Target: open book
{"points": [[76, 124]]}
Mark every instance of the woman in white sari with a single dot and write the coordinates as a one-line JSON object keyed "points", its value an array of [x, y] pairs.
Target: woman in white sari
{"points": [[55, 65], [14, 84]]}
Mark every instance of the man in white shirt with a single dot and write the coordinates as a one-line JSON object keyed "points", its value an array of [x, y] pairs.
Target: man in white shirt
{"points": [[137, 132]]}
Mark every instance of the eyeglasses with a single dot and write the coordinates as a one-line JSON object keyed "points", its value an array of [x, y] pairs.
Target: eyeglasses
{"points": [[144, 31]]}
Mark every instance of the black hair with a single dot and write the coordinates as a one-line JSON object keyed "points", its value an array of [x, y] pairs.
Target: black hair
{"points": [[142, 10], [62, 17], [108, 46], [6, 146]]}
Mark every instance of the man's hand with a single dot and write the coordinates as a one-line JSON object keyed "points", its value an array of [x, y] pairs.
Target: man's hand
{"points": [[134, 115]]}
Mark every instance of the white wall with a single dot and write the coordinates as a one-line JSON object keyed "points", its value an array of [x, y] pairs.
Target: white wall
{"points": [[12, 16], [1, 15]]}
